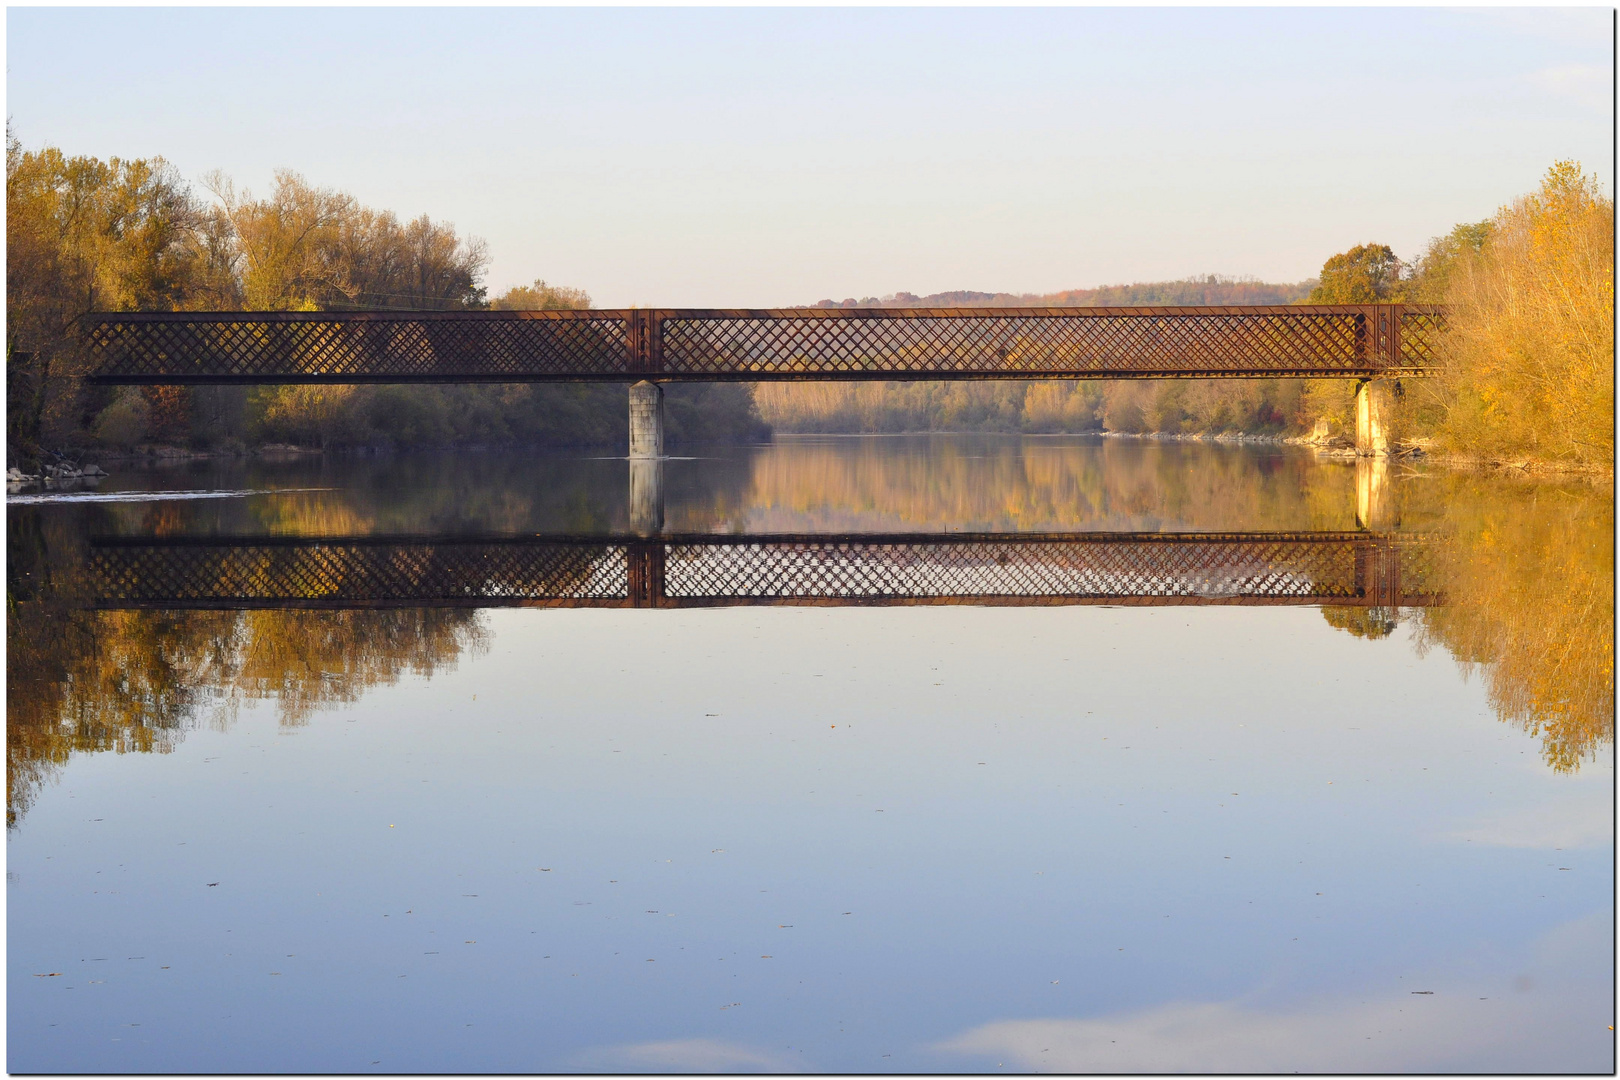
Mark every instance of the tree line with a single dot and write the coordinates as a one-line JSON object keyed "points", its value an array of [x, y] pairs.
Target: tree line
{"points": [[1527, 365], [85, 235], [1527, 362]]}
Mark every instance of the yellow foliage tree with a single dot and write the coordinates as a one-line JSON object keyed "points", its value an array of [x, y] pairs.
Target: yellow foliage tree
{"points": [[1529, 358], [85, 235]]}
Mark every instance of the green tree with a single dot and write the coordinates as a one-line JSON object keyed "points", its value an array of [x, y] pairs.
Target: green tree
{"points": [[541, 297], [1366, 274], [1431, 276]]}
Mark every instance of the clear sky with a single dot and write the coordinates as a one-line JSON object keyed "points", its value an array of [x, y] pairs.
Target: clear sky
{"points": [[719, 157]]}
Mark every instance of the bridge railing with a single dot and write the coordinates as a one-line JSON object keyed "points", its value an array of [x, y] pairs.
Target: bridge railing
{"points": [[795, 344]]}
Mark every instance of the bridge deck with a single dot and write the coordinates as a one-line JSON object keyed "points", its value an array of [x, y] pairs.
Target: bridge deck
{"points": [[1355, 569], [796, 344]]}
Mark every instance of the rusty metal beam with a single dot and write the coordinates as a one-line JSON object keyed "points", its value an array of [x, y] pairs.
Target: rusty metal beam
{"points": [[776, 345]]}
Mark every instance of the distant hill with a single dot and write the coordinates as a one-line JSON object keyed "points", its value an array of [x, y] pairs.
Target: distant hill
{"points": [[1208, 289], [1257, 406]]}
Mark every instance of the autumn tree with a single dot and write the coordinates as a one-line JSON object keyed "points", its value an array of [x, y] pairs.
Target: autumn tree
{"points": [[1529, 353], [87, 235], [421, 265], [308, 248], [285, 244]]}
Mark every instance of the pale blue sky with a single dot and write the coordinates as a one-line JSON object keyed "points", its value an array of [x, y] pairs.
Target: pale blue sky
{"points": [[717, 157]]}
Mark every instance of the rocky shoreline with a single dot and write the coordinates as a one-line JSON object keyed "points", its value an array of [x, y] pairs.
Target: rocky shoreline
{"points": [[1334, 446], [63, 477], [67, 474], [1341, 448]]}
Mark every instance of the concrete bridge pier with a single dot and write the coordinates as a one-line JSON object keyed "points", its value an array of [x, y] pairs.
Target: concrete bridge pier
{"points": [[647, 458], [646, 496], [646, 420], [1375, 415], [1376, 509]]}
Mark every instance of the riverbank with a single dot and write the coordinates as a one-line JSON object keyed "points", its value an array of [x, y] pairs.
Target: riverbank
{"points": [[1500, 466], [1343, 447]]}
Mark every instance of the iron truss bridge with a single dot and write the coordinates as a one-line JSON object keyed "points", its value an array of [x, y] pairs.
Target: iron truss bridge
{"points": [[1338, 568], [808, 344]]}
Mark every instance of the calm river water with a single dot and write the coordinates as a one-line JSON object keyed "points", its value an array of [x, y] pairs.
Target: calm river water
{"points": [[816, 838]]}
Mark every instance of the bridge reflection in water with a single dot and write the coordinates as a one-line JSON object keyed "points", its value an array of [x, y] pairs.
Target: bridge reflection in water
{"points": [[1373, 570]]}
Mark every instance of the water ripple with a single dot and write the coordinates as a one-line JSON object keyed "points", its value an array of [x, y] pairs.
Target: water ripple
{"points": [[145, 496]]}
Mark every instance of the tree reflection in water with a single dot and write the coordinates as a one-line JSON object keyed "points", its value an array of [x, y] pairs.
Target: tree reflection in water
{"points": [[1527, 575], [1530, 581], [1526, 570], [1033, 485], [85, 681]]}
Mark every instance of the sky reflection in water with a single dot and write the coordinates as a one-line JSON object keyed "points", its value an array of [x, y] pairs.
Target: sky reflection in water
{"points": [[810, 839]]}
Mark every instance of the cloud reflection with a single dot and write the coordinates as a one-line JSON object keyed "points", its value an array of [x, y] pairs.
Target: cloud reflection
{"points": [[1587, 821], [1550, 1016], [685, 1056]]}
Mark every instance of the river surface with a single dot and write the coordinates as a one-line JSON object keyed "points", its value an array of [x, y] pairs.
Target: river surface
{"points": [[1202, 835]]}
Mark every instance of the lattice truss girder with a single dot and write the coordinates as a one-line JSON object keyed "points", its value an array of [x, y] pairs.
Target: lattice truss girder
{"points": [[786, 344], [702, 571], [1421, 328], [357, 572], [832, 569], [349, 346], [1014, 345]]}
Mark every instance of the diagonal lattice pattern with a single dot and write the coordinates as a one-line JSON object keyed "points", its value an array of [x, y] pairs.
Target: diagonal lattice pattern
{"points": [[361, 347], [1211, 569], [1037, 343], [790, 344], [1339, 568], [1420, 331], [342, 573]]}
